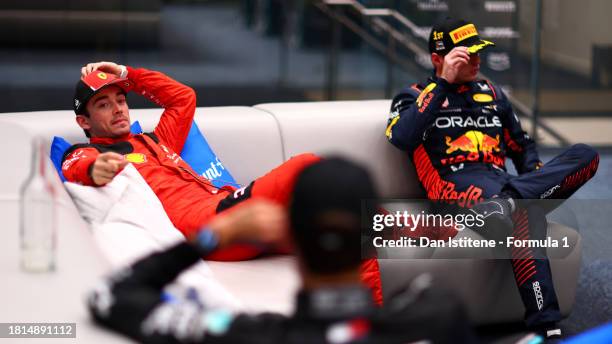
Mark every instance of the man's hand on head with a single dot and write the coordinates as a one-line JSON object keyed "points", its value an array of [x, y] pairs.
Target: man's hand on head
{"points": [[453, 61], [104, 66], [106, 166]]}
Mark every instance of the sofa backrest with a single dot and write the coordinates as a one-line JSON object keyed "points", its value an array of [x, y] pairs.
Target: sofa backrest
{"points": [[249, 140], [350, 128]]}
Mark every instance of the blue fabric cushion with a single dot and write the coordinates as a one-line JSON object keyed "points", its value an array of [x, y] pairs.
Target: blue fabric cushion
{"points": [[135, 128], [196, 152], [58, 147]]}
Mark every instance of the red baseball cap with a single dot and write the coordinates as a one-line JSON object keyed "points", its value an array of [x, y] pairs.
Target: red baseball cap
{"points": [[88, 86]]}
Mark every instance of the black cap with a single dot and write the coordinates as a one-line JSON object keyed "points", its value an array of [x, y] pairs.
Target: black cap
{"points": [[92, 84], [326, 213], [451, 33]]}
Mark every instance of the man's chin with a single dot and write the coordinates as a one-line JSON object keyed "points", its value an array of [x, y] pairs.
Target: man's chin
{"points": [[120, 133]]}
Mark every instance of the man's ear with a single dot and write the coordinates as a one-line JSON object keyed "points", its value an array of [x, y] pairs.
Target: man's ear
{"points": [[83, 122], [437, 61]]}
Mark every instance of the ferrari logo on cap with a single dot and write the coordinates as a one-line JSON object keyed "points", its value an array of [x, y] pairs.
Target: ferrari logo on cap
{"points": [[102, 76]]}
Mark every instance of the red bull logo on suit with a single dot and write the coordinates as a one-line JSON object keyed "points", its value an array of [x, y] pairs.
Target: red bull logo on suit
{"points": [[473, 143]]}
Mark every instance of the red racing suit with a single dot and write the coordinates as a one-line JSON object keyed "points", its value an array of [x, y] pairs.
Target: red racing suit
{"points": [[189, 199]]}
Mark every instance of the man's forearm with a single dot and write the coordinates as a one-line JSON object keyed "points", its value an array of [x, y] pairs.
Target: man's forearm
{"points": [[158, 87], [77, 165], [178, 101]]}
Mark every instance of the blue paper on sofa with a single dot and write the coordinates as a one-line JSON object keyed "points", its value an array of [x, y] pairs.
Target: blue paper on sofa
{"points": [[198, 154]]}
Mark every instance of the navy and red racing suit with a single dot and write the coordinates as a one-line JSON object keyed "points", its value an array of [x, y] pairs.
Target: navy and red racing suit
{"points": [[189, 199], [458, 138]]}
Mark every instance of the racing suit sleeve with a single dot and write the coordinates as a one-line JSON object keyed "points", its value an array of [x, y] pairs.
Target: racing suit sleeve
{"points": [[178, 101], [76, 166], [413, 111], [519, 145], [131, 302]]}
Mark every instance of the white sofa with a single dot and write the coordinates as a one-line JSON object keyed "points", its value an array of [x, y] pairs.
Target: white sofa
{"points": [[250, 141]]}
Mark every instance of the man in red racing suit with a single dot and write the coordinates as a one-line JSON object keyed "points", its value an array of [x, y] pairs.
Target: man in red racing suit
{"points": [[189, 199]]}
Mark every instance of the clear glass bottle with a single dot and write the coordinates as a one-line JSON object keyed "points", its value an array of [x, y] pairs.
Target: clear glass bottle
{"points": [[38, 213]]}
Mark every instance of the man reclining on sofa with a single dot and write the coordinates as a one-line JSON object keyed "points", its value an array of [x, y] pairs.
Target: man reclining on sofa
{"points": [[189, 199]]}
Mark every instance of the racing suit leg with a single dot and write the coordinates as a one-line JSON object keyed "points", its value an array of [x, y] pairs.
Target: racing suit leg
{"points": [[369, 272], [530, 267], [560, 177], [277, 186]]}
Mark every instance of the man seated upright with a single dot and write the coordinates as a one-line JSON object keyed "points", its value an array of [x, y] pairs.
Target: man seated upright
{"points": [[458, 131], [189, 199]]}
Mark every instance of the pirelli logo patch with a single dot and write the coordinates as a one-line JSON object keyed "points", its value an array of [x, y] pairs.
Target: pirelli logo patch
{"points": [[464, 32]]}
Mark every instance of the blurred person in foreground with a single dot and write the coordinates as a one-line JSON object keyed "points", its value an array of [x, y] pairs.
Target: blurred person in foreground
{"points": [[101, 108], [458, 131], [331, 307]]}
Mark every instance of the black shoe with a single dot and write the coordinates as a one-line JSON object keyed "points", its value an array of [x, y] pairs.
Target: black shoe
{"points": [[494, 207], [497, 216]]}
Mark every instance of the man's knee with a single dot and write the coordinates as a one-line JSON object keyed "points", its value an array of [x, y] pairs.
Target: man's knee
{"points": [[278, 184], [301, 161], [585, 152], [306, 158]]}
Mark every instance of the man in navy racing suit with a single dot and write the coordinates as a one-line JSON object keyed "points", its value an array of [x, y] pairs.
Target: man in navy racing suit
{"points": [[458, 131]]}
